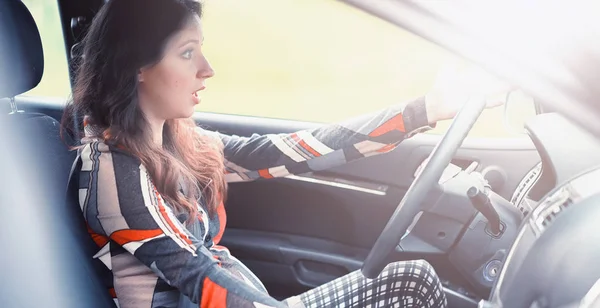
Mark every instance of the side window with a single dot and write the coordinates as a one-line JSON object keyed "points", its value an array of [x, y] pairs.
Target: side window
{"points": [[319, 61], [55, 81]]}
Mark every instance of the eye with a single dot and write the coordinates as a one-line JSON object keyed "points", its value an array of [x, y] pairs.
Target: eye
{"points": [[187, 54]]}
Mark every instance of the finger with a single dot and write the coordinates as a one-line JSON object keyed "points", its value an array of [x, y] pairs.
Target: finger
{"points": [[494, 103]]}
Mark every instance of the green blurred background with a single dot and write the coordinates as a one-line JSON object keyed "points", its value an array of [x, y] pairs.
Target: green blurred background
{"points": [[309, 60]]}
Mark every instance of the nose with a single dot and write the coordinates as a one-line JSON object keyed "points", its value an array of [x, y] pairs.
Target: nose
{"points": [[204, 69]]}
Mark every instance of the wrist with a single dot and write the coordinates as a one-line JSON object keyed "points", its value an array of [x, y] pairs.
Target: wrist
{"points": [[415, 118], [431, 109]]}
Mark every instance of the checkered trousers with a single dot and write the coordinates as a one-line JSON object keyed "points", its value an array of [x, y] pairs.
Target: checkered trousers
{"points": [[401, 284]]}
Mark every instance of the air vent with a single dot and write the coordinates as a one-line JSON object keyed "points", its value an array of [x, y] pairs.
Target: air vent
{"points": [[561, 199], [519, 196], [526, 205], [545, 214]]}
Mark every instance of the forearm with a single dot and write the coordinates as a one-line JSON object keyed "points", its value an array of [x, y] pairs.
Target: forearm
{"points": [[278, 155]]}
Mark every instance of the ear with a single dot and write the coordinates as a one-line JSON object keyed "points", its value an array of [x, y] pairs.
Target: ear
{"points": [[140, 75]]}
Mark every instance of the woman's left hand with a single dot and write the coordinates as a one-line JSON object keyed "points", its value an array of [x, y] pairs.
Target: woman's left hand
{"points": [[454, 87]]}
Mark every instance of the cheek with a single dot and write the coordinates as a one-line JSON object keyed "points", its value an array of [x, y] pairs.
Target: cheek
{"points": [[175, 81], [178, 83]]}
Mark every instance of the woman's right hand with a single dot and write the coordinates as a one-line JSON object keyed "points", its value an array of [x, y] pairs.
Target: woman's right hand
{"points": [[454, 86]]}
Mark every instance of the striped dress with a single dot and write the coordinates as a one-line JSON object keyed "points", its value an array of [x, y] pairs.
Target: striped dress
{"points": [[158, 261]]}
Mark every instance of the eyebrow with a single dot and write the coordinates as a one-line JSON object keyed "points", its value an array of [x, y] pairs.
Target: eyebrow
{"points": [[189, 41]]}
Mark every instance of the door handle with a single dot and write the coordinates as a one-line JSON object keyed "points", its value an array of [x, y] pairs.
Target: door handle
{"points": [[314, 273]]}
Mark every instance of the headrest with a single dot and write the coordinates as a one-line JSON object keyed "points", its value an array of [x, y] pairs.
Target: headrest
{"points": [[21, 53]]}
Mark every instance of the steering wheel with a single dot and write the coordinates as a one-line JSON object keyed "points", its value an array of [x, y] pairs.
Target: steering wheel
{"points": [[411, 203]]}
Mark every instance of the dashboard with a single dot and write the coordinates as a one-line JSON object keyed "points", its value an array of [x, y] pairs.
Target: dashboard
{"points": [[553, 261], [565, 151], [488, 243]]}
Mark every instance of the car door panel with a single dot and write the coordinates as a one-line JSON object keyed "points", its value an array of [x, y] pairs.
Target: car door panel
{"points": [[512, 157], [277, 205], [292, 261]]}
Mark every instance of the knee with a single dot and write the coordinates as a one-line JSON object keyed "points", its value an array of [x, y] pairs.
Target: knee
{"points": [[420, 282], [425, 267], [415, 268]]}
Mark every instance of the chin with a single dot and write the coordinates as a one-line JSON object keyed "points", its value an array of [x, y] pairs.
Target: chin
{"points": [[182, 115], [187, 114], [186, 111], [190, 112]]}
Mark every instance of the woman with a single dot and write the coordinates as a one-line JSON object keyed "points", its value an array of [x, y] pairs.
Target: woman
{"points": [[153, 185]]}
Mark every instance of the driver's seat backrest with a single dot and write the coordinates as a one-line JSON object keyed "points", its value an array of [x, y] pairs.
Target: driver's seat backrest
{"points": [[47, 165]]}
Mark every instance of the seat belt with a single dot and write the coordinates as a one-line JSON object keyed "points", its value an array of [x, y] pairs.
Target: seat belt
{"points": [[74, 177]]}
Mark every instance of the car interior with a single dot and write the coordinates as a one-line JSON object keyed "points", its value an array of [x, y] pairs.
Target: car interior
{"points": [[496, 218]]}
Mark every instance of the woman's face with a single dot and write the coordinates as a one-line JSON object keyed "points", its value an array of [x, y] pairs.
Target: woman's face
{"points": [[169, 89]]}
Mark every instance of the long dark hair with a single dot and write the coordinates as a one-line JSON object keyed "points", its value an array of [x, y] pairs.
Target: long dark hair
{"points": [[125, 36]]}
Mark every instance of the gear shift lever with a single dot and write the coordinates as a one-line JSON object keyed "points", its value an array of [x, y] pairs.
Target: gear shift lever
{"points": [[482, 203]]}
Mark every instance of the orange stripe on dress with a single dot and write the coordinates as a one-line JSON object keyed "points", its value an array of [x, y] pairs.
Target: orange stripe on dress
{"points": [[395, 123], [222, 222], [125, 236], [264, 173], [100, 240], [305, 146], [163, 212], [112, 292], [213, 295], [386, 148]]}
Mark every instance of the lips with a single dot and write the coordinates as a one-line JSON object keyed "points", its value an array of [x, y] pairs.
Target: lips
{"points": [[196, 97]]}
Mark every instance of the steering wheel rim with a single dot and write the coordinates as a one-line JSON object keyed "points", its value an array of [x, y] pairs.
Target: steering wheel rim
{"points": [[410, 205]]}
